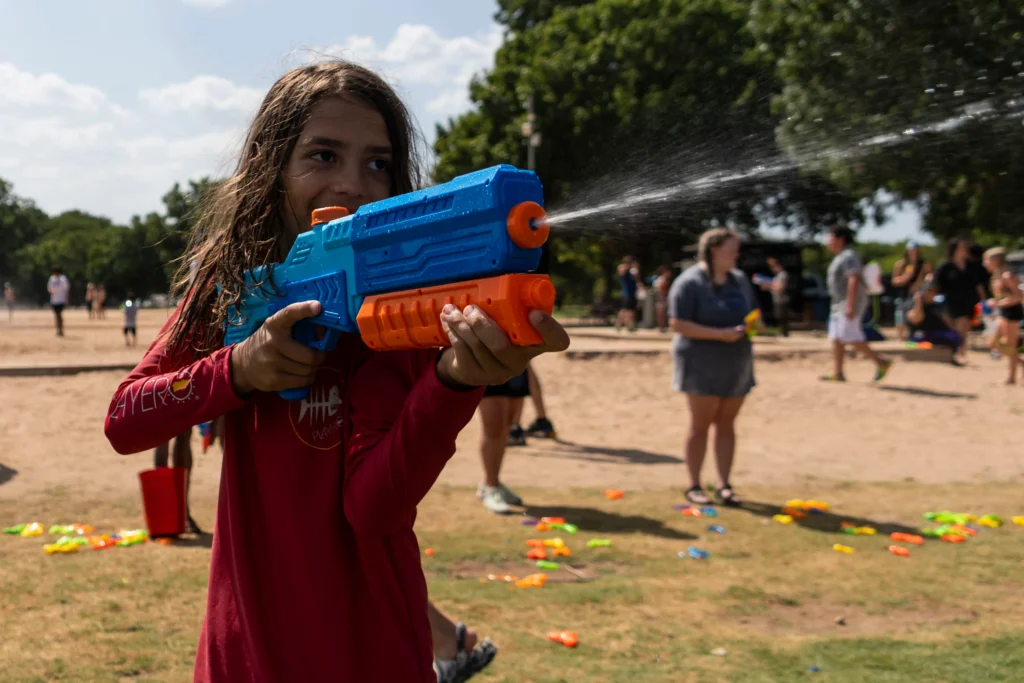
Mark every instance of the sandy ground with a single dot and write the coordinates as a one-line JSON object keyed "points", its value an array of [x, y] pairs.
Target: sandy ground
{"points": [[618, 422]]}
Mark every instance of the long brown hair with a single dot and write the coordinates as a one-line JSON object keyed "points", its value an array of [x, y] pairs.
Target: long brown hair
{"points": [[711, 239], [998, 257], [239, 225]]}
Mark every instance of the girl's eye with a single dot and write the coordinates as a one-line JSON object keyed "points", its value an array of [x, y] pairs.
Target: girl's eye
{"points": [[323, 155], [380, 165]]}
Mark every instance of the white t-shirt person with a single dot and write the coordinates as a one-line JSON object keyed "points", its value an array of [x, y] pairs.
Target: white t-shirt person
{"points": [[58, 287]]}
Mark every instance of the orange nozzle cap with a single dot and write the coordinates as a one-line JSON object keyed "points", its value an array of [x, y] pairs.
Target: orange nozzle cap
{"points": [[525, 225], [538, 293], [328, 214]]}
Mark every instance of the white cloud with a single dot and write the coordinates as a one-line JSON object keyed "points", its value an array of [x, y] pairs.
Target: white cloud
{"points": [[207, 4], [23, 89], [449, 103], [69, 145], [202, 93], [417, 55]]}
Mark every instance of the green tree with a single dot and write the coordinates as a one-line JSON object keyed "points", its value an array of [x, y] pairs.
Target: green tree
{"points": [[21, 224], [943, 82], [669, 90]]}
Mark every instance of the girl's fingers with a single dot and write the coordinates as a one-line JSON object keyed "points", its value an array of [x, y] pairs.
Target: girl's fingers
{"points": [[466, 337], [487, 331], [299, 352], [291, 367]]}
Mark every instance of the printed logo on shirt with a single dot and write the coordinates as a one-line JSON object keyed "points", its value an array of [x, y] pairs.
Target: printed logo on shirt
{"points": [[156, 392], [317, 419]]}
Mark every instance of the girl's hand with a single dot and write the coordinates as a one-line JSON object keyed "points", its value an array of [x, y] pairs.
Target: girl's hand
{"points": [[481, 353], [270, 360], [730, 335]]}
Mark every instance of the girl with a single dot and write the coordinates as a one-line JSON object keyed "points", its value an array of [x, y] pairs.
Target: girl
{"points": [[714, 358], [1006, 300], [315, 572]]}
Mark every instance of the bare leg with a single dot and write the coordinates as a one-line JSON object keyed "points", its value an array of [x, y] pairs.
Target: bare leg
{"points": [[442, 631], [838, 357], [703, 410], [963, 328], [1012, 335], [182, 457], [536, 394], [725, 436], [160, 455], [494, 413], [869, 353]]}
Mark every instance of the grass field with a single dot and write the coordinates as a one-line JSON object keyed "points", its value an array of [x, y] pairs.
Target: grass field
{"points": [[770, 595]]}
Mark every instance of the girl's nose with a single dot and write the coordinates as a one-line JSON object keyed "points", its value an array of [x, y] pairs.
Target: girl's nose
{"points": [[347, 180]]}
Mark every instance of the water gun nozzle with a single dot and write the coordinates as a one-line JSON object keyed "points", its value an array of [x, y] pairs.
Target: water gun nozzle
{"points": [[527, 225]]}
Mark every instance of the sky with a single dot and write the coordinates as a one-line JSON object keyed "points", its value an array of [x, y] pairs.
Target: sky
{"points": [[104, 105]]}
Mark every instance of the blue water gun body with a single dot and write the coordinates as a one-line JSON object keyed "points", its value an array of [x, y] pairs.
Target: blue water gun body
{"points": [[388, 269]]}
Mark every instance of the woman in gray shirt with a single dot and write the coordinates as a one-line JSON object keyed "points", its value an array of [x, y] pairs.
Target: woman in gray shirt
{"points": [[714, 359]]}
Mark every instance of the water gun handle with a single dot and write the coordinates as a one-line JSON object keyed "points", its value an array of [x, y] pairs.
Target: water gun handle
{"points": [[315, 337]]}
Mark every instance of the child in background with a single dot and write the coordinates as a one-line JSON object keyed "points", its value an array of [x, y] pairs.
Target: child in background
{"points": [[1006, 301], [315, 573], [9, 299], [131, 315]]}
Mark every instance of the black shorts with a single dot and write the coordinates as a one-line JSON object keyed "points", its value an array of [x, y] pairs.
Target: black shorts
{"points": [[629, 302], [130, 329], [57, 308], [517, 387], [1012, 313]]}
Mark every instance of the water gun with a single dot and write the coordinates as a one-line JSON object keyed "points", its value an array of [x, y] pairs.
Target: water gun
{"points": [[388, 270], [752, 322], [761, 280], [206, 431]]}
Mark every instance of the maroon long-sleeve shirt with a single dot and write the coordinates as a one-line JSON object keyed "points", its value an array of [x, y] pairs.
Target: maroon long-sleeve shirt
{"points": [[315, 573]]}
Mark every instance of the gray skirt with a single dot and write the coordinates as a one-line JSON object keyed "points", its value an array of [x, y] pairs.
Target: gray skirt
{"points": [[710, 368]]}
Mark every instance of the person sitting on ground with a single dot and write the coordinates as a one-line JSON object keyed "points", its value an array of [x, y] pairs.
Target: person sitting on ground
{"points": [[908, 277], [927, 322]]}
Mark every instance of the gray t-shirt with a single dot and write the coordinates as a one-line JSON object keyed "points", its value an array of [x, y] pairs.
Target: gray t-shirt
{"points": [[704, 366], [842, 267], [780, 288], [131, 312]]}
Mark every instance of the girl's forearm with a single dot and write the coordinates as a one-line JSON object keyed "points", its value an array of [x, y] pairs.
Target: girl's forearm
{"points": [[693, 330]]}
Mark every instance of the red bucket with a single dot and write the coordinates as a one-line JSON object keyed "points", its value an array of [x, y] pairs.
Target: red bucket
{"points": [[163, 497]]}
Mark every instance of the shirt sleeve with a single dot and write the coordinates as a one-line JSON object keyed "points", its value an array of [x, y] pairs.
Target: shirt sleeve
{"points": [[162, 398], [682, 299], [402, 433], [748, 291]]}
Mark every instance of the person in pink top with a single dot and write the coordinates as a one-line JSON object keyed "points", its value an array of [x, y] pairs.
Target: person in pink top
{"points": [[315, 573]]}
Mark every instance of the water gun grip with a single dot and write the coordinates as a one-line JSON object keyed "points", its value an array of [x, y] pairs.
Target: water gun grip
{"points": [[315, 337]]}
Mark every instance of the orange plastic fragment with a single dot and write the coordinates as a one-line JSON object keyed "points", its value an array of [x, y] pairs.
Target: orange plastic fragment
{"points": [[537, 554], [411, 319], [954, 538], [562, 551], [691, 512], [613, 494], [535, 542], [552, 520], [567, 638], [429, 552], [794, 513], [906, 538], [899, 550]]}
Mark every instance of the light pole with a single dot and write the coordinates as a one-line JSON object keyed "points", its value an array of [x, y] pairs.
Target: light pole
{"points": [[531, 135]]}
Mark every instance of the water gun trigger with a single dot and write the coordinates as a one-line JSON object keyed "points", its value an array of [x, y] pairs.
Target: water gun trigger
{"points": [[315, 336]]}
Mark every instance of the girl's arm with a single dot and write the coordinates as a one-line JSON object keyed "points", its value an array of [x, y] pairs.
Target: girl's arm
{"points": [[162, 398], [693, 330], [403, 424], [900, 276]]}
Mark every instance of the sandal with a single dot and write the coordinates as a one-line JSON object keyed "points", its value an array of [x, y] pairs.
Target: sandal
{"points": [[696, 495], [465, 665], [728, 497], [832, 378]]}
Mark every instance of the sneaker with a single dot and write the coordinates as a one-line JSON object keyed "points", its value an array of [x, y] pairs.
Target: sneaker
{"points": [[516, 436], [541, 429], [494, 502], [507, 494]]}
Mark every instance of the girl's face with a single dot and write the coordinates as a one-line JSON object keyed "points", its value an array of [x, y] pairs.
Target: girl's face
{"points": [[726, 253], [834, 244], [342, 158], [962, 251]]}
